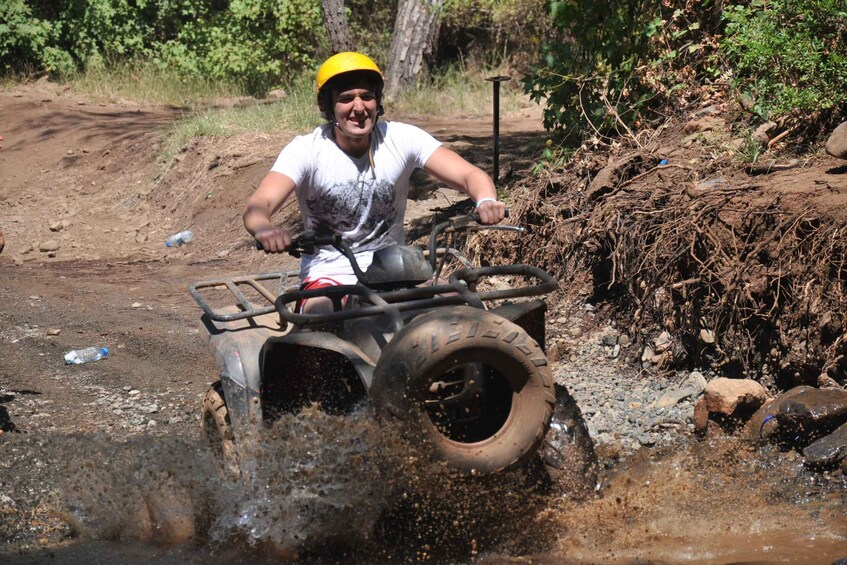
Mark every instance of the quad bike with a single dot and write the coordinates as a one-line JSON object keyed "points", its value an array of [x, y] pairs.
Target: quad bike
{"points": [[461, 369]]}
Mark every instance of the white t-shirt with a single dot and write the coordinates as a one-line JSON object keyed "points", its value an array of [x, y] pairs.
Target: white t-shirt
{"points": [[343, 195]]}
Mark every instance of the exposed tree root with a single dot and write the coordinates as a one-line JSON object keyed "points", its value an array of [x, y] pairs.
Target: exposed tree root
{"points": [[750, 281]]}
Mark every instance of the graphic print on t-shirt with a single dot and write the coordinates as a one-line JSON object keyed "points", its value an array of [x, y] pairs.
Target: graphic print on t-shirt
{"points": [[362, 210]]}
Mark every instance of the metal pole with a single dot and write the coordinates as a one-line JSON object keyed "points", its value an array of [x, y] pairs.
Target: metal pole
{"points": [[496, 84]]}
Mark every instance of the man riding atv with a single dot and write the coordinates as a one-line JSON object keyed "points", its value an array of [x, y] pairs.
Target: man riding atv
{"points": [[460, 368], [351, 177]]}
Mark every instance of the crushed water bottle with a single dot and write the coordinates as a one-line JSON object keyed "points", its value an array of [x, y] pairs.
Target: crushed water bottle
{"points": [[80, 356], [178, 239]]}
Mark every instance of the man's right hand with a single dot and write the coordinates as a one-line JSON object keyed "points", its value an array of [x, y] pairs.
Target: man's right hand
{"points": [[273, 240]]}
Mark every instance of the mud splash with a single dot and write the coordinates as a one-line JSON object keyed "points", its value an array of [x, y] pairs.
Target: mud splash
{"points": [[339, 489], [324, 489]]}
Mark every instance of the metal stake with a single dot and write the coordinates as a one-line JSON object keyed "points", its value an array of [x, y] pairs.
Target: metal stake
{"points": [[496, 82]]}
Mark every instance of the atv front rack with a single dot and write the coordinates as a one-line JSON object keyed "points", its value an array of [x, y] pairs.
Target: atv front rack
{"points": [[246, 308]]}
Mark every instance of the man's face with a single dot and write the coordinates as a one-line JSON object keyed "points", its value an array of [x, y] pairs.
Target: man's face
{"points": [[355, 109]]}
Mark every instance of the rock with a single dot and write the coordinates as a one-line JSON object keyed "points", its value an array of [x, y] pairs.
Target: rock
{"points": [[814, 408], [828, 450], [49, 245], [611, 175], [710, 184], [56, 226], [707, 111], [762, 425], [662, 359], [647, 354], [830, 327], [701, 415], [764, 133], [704, 124], [277, 94], [663, 342], [693, 385], [243, 163], [725, 396], [54, 331], [800, 418], [707, 336], [836, 145]]}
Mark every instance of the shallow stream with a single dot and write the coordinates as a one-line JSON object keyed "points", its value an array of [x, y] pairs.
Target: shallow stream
{"points": [[337, 490]]}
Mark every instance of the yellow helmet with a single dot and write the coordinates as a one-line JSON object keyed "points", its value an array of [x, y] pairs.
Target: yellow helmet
{"points": [[344, 63], [339, 64]]}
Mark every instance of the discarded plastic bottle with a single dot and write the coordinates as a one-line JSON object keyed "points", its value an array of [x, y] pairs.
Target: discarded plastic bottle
{"points": [[80, 356], [178, 239]]}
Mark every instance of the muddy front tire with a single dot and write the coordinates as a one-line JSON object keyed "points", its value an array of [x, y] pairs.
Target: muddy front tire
{"points": [[468, 387], [217, 428]]}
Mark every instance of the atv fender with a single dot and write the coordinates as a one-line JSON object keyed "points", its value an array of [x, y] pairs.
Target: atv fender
{"points": [[528, 315], [358, 359], [237, 346]]}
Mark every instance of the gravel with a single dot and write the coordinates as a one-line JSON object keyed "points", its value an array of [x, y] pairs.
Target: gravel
{"points": [[601, 367]]}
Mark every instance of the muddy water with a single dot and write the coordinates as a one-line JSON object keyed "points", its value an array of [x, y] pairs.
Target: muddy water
{"points": [[331, 489]]}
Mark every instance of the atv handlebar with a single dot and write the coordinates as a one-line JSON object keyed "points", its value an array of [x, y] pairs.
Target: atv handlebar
{"points": [[308, 240], [460, 289]]}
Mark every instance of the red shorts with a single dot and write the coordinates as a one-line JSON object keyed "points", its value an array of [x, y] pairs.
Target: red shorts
{"points": [[313, 284]]}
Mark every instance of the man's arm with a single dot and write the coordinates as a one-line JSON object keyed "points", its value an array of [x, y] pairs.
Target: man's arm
{"points": [[272, 193], [450, 168]]}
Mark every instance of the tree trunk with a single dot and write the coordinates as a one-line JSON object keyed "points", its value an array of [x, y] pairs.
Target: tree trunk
{"points": [[336, 26], [415, 32]]}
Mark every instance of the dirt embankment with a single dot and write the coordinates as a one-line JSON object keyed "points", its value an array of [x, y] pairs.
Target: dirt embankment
{"points": [[743, 267]]}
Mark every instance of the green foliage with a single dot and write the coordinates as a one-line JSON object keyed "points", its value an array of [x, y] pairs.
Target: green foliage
{"points": [[253, 42], [27, 42], [492, 32], [371, 25], [750, 149], [454, 90], [613, 62], [553, 157], [789, 56], [256, 43]]}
